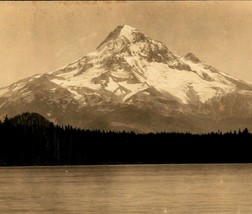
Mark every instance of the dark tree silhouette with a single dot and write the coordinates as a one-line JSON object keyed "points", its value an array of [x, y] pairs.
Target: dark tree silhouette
{"points": [[30, 139]]}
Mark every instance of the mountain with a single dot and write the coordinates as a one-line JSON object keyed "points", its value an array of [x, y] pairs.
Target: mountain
{"points": [[132, 82]]}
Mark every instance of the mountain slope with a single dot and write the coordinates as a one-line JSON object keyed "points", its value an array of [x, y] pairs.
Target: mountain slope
{"points": [[130, 74]]}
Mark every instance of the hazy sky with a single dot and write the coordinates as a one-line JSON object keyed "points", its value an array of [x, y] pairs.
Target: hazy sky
{"points": [[38, 37]]}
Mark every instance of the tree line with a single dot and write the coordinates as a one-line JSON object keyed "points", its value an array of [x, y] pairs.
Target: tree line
{"points": [[30, 139]]}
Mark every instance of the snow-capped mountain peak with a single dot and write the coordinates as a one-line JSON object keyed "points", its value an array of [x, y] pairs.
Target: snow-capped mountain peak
{"points": [[124, 33], [128, 41], [129, 69]]}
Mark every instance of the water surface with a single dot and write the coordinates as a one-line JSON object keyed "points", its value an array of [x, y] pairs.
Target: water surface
{"points": [[127, 189]]}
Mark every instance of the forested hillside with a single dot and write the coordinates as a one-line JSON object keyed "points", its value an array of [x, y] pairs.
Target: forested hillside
{"points": [[30, 139]]}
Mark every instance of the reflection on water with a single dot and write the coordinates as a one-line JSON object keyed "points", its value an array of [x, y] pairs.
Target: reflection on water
{"points": [[127, 189]]}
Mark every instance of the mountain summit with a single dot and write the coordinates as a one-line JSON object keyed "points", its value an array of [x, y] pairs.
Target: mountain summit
{"points": [[124, 33], [132, 82]]}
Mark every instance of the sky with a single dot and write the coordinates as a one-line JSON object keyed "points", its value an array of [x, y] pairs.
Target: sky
{"points": [[39, 37]]}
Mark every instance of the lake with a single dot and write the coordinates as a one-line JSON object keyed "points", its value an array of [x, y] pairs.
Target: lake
{"points": [[127, 189]]}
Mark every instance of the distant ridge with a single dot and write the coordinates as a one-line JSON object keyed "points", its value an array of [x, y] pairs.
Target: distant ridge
{"points": [[29, 119]]}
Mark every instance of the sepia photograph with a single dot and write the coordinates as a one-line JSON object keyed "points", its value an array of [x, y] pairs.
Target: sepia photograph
{"points": [[126, 107]]}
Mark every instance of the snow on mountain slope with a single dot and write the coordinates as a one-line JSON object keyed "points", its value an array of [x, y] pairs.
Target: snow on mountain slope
{"points": [[128, 62], [128, 68], [127, 59]]}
